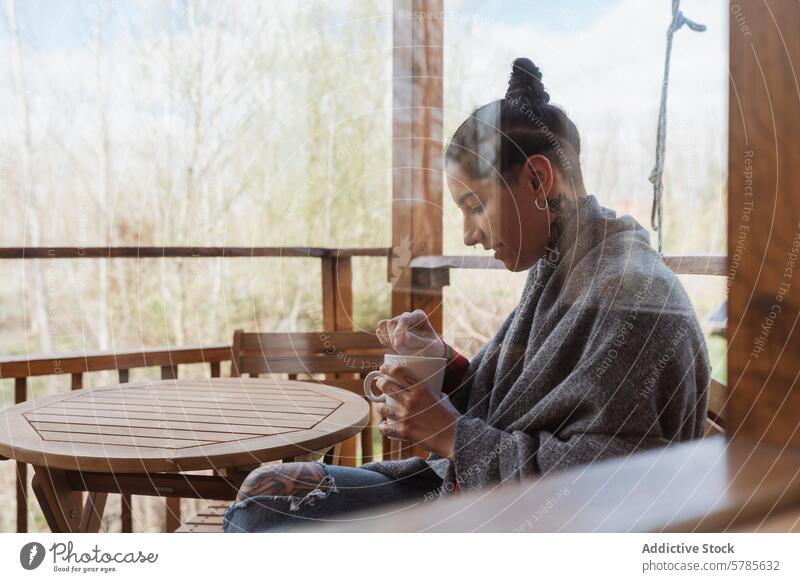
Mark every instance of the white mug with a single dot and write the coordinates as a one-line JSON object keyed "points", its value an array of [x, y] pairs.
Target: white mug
{"points": [[429, 371]]}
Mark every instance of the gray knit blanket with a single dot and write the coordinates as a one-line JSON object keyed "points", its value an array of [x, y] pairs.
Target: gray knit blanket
{"points": [[602, 356]]}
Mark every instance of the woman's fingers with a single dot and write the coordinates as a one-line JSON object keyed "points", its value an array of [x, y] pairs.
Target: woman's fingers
{"points": [[397, 330], [382, 332], [389, 430], [387, 412], [418, 318], [396, 382], [397, 371], [391, 385], [393, 332], [404, 322]]}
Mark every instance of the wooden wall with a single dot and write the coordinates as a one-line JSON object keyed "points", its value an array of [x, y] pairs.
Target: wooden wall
{"points": [[764, 221]]}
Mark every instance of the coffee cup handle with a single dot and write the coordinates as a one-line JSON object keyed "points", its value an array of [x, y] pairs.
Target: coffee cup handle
{"points": [[368, 387]]}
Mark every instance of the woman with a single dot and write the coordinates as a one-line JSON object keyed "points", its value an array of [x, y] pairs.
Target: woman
{"points": [[603, 355]]}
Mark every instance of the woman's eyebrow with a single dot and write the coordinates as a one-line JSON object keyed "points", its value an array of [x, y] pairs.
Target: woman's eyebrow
{"points": [[464, 197]]}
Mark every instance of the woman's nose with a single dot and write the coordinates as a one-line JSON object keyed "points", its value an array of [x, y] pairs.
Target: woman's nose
{"points": [[471, 237]]}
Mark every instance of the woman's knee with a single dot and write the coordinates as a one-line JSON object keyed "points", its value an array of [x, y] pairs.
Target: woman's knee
{"points": [[285, 479], [274, 497]]}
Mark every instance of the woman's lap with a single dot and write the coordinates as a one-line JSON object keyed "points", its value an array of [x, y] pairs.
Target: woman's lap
{"points": [[343, 490]]}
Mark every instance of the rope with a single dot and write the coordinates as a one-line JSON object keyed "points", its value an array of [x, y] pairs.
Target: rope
{"points": [[657, 175]]}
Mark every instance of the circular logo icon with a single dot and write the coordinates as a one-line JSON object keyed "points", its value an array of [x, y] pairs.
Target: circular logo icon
{"points": [[31, 555]]}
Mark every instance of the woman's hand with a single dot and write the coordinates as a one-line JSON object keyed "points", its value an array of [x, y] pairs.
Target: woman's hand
{"points": [[420, 416], [411, 334]]}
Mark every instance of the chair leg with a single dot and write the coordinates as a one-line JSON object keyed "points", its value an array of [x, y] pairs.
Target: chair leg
{"points": [[61, 506], [126, 513], [93, 512]]}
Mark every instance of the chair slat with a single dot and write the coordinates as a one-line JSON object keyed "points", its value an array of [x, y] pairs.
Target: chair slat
{"points": [[309, 364], [310, 342]]}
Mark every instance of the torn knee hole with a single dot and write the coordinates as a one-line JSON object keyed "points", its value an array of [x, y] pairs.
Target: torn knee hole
{"points": [[301, 483], [321, 491]]}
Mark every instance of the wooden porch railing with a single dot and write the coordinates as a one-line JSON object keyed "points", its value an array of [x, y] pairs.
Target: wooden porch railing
{"points": [[433, 272], [337, 315], [428, 274], [20, 368]]}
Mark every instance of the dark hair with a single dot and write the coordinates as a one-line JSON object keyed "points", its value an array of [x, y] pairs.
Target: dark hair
{"points": [[499, 136]]}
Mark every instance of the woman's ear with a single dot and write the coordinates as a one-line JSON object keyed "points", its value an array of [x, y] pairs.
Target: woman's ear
{"points": [[538, 172]]}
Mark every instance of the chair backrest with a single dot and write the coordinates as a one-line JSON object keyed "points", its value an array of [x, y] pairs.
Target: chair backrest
{"points": [[343, 356], [346, 356]]}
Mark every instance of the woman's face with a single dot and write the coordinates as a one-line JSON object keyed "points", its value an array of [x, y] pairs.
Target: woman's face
{"points": [[502, 216]]}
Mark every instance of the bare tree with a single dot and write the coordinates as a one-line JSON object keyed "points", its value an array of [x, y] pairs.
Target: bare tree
{"points": [[105, 173], [27, 190]]}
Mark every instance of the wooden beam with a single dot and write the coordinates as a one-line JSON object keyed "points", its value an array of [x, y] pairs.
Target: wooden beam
{"points": [[185, 252], [337, 315], [157, 484], [417, 150], [764, 222], [45, 365], [434, 271], [714, 265], [417, 166]]}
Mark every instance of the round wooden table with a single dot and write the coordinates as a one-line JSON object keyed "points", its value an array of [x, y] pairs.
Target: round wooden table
{"points": [[139, 438]]}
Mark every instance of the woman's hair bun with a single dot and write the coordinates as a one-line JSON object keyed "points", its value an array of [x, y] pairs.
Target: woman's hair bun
{"points": [[526, 79]]}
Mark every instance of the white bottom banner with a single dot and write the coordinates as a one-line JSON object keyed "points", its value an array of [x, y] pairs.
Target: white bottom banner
{"points": [[401, 557]]}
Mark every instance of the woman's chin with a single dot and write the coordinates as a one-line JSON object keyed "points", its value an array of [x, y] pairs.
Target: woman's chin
{"points": [[515, 265]]}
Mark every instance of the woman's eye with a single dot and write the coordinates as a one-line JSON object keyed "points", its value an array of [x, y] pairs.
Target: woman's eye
{"points": [[477, 209]]}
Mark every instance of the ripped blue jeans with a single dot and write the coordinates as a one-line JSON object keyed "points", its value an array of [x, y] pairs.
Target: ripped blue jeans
{"points": [[343, 490]]}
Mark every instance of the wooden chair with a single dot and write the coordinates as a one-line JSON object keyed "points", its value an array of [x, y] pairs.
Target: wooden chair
{"points": [[340, 358]]}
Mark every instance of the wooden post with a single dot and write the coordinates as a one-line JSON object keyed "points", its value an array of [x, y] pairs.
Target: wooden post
{"points": [[417, 174], [236, 353], [169, 372], [337, 315], [21, 395], [337, 293], [764, 222]]}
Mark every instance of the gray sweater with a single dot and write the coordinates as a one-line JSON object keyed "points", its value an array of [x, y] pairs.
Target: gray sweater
{"points": [[602, 356]]}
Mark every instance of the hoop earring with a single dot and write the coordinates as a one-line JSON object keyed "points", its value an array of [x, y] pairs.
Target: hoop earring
{"points": [[536, 203]]}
